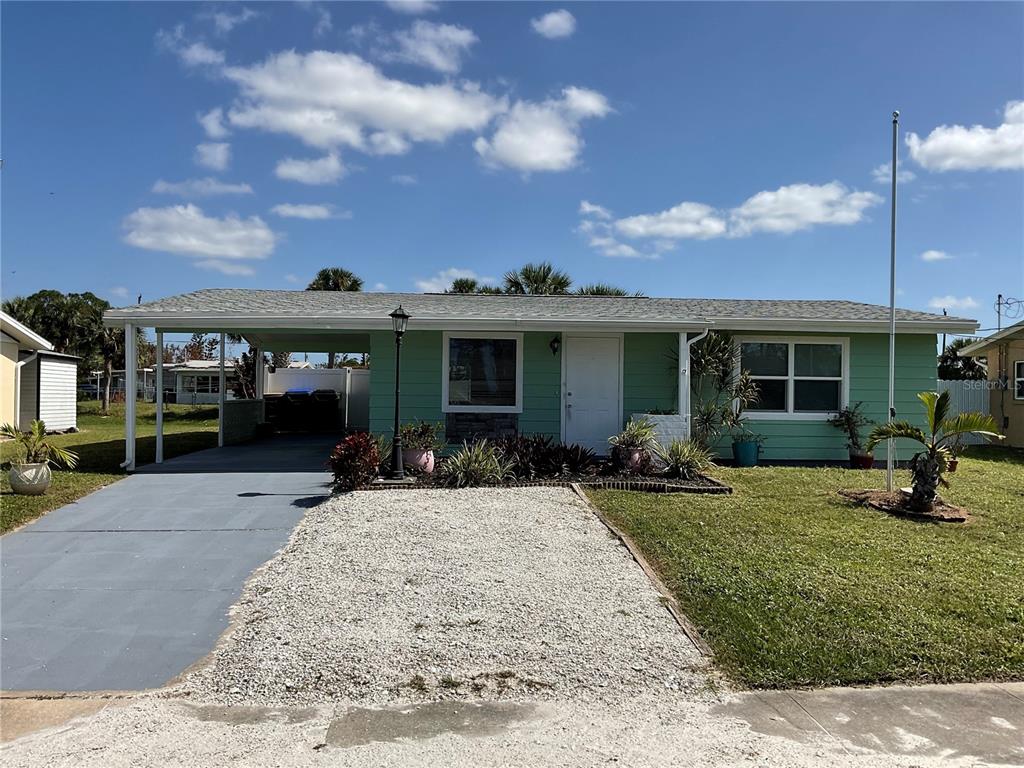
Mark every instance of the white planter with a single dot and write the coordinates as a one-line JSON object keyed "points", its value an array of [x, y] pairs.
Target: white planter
{"points": [[30, 479], [668, 426]]}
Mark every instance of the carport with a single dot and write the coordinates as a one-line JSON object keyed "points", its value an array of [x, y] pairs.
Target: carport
{"points": [[265, 333]]}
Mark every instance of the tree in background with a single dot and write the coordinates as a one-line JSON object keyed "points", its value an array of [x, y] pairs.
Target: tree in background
{"points": [[200, 347], [245, 367], [603, 289], [72, 322], [954, 367], [464, 285], [281, 359], [335, 279], [537, 279]]}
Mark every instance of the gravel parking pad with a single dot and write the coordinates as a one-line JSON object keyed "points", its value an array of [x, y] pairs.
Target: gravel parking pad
{"points": [[488, 594]]}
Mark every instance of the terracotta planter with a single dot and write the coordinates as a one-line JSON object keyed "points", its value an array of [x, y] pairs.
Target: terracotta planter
{"points": [[861, 460], [30, 479], [418, 460]]}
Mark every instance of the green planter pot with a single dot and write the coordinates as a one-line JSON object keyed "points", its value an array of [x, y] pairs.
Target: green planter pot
{"points": [[745, 452]]}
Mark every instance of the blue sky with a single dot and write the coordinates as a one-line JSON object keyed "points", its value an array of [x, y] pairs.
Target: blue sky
{"points": [[677, 149]]}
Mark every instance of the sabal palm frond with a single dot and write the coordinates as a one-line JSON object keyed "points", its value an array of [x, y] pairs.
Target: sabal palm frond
{"points": [[335, 279], [537, 279]]}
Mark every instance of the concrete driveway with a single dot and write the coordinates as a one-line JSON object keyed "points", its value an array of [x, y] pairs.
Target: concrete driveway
{"points": [[127, 587]]}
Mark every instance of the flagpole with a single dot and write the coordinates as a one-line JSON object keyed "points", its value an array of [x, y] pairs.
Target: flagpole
{"points": [[889, 457]]}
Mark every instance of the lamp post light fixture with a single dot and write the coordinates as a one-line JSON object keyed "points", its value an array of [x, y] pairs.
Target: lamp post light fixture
{"points": [[399, 321]]}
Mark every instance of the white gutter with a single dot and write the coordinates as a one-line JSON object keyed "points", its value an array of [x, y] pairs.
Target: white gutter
{"points": [[684, 376], [17, 388]]}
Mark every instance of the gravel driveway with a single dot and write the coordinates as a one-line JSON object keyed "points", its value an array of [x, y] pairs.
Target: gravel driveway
{"points": [[488, 594]]}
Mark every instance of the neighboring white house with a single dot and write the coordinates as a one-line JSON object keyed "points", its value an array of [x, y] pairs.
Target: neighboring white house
{"points": [[35, 381], [197, 382]]}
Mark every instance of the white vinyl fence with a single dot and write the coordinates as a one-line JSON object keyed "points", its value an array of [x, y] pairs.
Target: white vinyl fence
{"points": [[966, 396], [351, 384]]}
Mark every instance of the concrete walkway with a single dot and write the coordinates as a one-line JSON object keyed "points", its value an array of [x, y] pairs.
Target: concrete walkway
{"points": [[983, 721], [127, 587]]}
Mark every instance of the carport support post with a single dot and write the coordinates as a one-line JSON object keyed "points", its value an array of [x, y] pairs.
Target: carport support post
{"points": [[131, 363], [222, 395], [159, 397]]}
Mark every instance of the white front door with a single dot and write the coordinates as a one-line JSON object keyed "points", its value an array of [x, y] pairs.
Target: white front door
{"points": [[593, 390]]}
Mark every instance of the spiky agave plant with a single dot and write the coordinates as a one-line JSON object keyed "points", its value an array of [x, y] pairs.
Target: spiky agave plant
{"points": [[36, 448], [927, 466]]}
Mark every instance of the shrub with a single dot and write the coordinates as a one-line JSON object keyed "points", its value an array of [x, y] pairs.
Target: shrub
{"points": [[574, 459], [354, 461], [685, 459], [638, 435], [476, 464], [528, 456], [421, 436]]}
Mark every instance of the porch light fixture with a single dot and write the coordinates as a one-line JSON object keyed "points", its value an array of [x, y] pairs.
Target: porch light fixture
{"points": [[400, 321], [555, 344]]}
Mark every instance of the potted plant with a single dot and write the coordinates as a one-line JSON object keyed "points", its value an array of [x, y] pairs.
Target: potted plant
{"points": [[746, 445], [632, 445], [419, 441], [928, 465], [851, 421], [32, 476]]}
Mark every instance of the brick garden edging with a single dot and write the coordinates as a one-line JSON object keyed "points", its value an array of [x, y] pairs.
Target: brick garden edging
{"points": [[711, 486]]}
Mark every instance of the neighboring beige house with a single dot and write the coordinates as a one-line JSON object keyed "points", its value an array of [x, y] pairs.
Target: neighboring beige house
{"points": [[35, 381], [1005, 353]]}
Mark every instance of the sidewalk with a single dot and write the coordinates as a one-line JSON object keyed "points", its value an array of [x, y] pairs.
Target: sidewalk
{"points": [[983, 721]]}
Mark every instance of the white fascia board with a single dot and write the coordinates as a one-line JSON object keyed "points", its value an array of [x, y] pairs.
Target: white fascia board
{"points": [[24, 335], [845, 326]]}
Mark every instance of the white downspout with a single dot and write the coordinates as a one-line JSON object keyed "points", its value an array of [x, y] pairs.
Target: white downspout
{"points": [[684, 376], [17, 388], [131, 384], [159, 397], [222, 396]]}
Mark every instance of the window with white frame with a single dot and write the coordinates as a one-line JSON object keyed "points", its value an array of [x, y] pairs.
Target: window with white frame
{"points": [[796, 378], [483, 373], [1018, 380]]}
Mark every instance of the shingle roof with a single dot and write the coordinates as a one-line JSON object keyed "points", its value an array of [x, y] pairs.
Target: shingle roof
{"points": [[237, 305]]}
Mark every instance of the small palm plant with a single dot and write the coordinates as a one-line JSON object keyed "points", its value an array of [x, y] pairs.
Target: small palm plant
{"points": [[36, 448], [928, 465]]}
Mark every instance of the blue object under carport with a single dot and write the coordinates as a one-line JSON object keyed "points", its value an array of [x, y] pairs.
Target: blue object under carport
{"points": [[129, 586]]}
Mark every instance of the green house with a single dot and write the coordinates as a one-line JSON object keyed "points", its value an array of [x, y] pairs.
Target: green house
{"points": [[576, 368]]}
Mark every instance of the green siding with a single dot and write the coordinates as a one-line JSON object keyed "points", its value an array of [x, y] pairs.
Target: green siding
{"points": [[421, 381], [869, 382], [649, 382], [649, 378]]}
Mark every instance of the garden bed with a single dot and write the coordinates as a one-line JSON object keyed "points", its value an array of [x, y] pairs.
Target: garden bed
{"points": [[895, 503]]}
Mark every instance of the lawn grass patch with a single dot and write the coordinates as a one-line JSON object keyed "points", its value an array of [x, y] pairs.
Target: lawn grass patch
{"points": [[793, 585], [100, 445]]}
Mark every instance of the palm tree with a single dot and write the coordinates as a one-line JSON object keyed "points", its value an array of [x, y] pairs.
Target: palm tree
{"points": [[942, 432], [604, 289], [540, 278], [335, 279], [954, 366], [464, 285]]}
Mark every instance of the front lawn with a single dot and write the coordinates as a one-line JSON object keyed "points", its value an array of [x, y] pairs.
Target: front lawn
{"points": [[792, 585], [100, 446]]}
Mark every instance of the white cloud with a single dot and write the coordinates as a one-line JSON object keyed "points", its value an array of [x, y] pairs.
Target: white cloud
{"points": [[215, 155], [800, 206], [119, 292], [442, 281], [935, 256], [379, 287], [328, 100], [405, 179], [411, 7], [882, 174], [324, 23], [957, 148], [542, 136], [213, 123], [309, 211], [222, 244], [952, 302], [294, 279], [200, 188], [784, 210], [554, 25], [683, 221], [225, 21], [590, 209], [437, 46], [325, 170], [196, 54]]}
